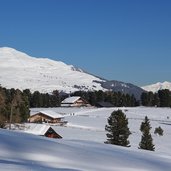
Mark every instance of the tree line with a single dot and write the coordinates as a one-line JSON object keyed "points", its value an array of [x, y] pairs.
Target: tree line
{"points": [[38, 99], [115, 98], [160, 99], [19, 102], [16, 102], [54, 99]]}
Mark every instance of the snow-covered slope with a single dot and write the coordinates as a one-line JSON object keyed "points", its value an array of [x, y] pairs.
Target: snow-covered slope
{"points": [[18, 70], [82, 147], [24, 152], [89, 124], [158, 86]]}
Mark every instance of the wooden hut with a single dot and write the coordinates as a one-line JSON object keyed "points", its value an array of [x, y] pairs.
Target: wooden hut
{"points": [[47, 117]]}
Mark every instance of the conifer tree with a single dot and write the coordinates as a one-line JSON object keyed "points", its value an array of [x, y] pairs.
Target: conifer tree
{"points": [[146, 139], [117, 128]]}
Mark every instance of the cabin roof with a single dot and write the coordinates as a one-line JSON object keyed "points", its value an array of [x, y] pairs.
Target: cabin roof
{"points": [[72, 99], [36, 129], [49, 113]]}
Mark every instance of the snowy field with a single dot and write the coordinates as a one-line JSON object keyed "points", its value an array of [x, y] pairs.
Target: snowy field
{"points": [[89, 124], [82, 147]]}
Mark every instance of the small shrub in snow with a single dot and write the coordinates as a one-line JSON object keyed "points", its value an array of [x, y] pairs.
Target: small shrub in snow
{"points": [[159, 131]]}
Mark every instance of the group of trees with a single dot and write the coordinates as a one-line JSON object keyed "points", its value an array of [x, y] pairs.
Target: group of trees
{"points": [[18, 102], [14, 106], [118, 131], [160, 99], [38, 99], [116, 98]]}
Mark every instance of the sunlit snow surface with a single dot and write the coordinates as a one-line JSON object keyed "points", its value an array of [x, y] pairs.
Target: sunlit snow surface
{"points": [[19, 70], [82, 147]]}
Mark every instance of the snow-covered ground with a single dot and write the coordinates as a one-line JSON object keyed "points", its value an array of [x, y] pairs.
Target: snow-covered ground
{"points": [[82, 146]]}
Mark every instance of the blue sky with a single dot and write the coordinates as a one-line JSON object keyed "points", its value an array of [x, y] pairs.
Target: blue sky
{"points": [[126, 40]]}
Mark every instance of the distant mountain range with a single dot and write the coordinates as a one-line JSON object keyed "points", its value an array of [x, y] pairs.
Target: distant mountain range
{"points": [[158, 86], [19, 70]]}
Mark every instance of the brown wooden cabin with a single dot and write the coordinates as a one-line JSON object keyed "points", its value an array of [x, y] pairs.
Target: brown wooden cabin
{"points": [[47, 117]]}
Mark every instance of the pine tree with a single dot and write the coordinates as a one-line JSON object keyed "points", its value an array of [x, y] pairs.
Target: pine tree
{"points": [[146, 139], [117, 128]]}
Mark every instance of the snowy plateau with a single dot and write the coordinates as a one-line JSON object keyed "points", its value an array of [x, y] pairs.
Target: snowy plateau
{"points": [[82, 147]]}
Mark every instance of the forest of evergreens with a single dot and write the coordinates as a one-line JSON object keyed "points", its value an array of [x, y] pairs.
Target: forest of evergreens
{"points": [[160, 99]]}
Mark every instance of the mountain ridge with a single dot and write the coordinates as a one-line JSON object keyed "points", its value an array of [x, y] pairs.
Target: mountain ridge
{"points": [[19, 70]]}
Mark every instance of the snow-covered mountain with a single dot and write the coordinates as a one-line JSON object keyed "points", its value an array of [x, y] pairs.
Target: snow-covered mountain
{"points": [[19, 70], [158, 86]]}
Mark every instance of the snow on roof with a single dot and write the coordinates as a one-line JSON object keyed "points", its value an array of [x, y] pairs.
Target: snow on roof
{"points": [[49, 113], [36, 129], [71, 99]]}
